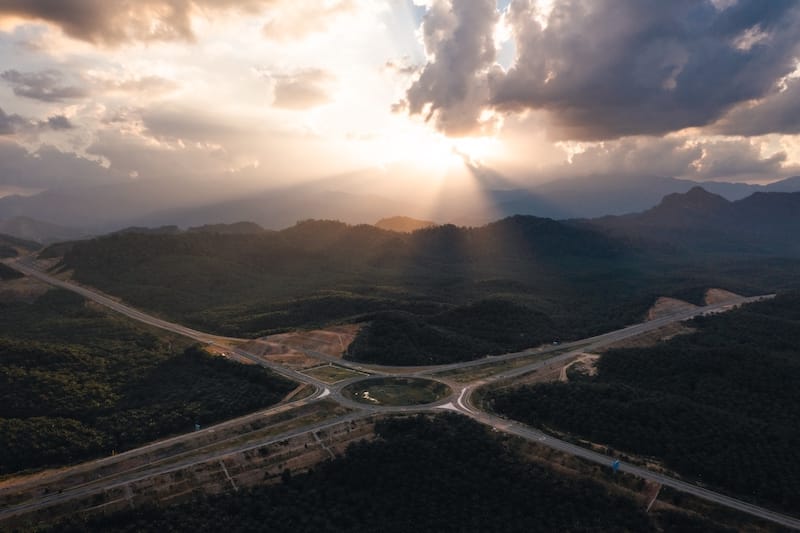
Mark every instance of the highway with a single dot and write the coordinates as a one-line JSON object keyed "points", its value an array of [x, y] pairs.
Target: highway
{"points": [[598, 341], [459, 401], [24, 266], [540, 437], [107, 463], [119, 480]]}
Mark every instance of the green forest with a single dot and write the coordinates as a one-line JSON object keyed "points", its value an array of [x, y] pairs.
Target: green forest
{"points": [[77, 383], [720, 406], [437, 295], [448, 474]]}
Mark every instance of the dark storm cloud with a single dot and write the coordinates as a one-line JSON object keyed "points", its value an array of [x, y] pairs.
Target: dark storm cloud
{"points": [[611, 68], [114, 22], [779, 112], [46, 85]]}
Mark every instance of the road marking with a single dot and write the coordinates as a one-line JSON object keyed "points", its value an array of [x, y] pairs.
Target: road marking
{"points": [[323, 445], [448, 406], [233, 484]]}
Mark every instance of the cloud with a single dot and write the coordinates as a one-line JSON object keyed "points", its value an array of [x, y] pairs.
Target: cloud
{"points": [[145, 84], [59, 123], [47, 167], [737, 159], [173, 123], [401, 66], [296, 19], [53, 85], [46, 85], [112, 23], [453, 86], [605, 69], [778, 112], [304, 89], [146, 157], [16, 124], [634, 156], [723, 159], [9, 124]]}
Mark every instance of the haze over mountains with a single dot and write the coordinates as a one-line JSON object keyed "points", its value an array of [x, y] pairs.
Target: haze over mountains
{"points": [[74, 212], [764, 222]]}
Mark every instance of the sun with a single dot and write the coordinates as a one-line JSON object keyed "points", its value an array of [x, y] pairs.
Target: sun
{"points": [[476, 151], [433, 152]]}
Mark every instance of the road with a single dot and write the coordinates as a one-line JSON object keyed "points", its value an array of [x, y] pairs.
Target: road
{"points": [[598, 341], [24, 266], [459, 401], [110, 482], [540, 437]]}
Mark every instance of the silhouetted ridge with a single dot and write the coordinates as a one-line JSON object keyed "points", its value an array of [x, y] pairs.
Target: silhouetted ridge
{"points": [[403, 224], [696, 203], [237, 228], [764, 222], [161, 230]]}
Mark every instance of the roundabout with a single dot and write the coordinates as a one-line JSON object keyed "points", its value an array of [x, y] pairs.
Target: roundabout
{"points": [[396, 391]]}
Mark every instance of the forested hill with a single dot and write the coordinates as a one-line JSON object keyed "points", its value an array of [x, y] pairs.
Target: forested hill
{"points": [[532, 279], [13, 246], [332, 249], [318, 272], [699, 221], [336, 242]]}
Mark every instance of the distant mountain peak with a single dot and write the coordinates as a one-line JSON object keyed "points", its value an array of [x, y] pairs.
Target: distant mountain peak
{"points": [[696, 200], [403, 224]]}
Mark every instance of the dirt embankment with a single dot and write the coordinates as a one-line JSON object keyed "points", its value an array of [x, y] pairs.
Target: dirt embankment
{"points": [[586, 363], [292, 349], [665, 306], [719, 296], [652, 338]]}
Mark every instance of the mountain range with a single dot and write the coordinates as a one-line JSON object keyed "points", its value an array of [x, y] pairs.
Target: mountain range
{"points": [[764, 222], [59, 215]]}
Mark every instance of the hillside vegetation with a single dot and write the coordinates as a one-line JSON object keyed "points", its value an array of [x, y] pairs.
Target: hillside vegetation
{"points": [[445, 475], [12, 246], [720, 406], [438, 294], [78, 383]]}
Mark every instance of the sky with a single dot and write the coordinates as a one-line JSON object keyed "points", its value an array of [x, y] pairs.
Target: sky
{"points": [[274, 92]]}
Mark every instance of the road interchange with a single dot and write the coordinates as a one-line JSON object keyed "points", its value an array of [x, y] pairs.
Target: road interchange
{"points": [[459, 401]]}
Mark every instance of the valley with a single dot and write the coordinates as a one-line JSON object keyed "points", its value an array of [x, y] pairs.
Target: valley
{"points": [[460, 402]]}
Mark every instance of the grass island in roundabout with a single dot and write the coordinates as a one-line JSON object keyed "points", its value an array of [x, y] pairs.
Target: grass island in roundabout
{"points": [[396, 391]]}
